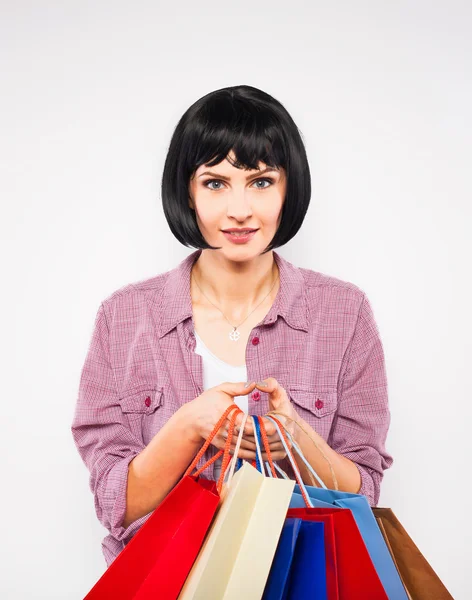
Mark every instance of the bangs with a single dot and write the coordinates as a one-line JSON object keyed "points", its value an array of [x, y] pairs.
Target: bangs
{"points": [[228, 124]]}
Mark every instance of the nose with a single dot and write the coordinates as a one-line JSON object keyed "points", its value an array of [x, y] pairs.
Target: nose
{"points": [[239, 205]]}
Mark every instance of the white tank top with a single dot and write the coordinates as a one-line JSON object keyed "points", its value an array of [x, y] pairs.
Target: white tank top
{"points": [[215, 371]]}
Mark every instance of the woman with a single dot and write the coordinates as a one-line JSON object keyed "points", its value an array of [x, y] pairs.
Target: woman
{"points": [[233, 322]]}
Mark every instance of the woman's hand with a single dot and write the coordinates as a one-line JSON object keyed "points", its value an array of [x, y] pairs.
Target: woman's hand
{"points": [[279, 402], [205, 411]]}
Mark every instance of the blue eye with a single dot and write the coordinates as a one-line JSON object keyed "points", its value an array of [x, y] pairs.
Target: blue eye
{"points": [[212, 181], [270, 181], [266, 179]]}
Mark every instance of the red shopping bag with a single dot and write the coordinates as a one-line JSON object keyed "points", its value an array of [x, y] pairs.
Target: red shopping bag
{"points": [[156, 561], [356, 574]]}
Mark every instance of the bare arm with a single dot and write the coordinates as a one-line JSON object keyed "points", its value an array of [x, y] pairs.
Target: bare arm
{"points": [[155, 470], [347, 473]]}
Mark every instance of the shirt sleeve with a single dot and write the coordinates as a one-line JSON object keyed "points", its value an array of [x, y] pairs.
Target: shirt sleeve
{"points": [[105, 444], [363, 417]]}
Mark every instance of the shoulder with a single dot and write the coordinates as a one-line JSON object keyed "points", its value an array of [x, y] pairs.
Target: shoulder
{"points": [[339, 302], [134, 294], [322, 285]]}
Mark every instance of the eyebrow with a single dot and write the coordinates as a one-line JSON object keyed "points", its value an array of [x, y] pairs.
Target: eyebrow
{"points": [[224, 178]]}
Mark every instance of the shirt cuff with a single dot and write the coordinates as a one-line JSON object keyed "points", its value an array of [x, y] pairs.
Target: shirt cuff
{"points": [[117, 481], [369, 488]]}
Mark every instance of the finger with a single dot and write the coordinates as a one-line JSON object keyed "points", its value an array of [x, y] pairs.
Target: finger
{"points": [[275, 447], [274, 451], [237, 426], [245, 454], [270, 428], [279, 455], [244, 444], [249, 429], [248, 444], [234, 389], [272, 387], [273, 439]]}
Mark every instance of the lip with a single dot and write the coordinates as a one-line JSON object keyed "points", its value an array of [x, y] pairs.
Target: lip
{"points": [[238, 229], [240, 239]]}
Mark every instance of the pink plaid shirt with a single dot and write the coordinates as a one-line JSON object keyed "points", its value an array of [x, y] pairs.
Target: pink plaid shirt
{"points": [[319, 340]]}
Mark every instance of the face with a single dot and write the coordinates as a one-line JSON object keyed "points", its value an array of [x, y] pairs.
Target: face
{"points": [[224, 197]]}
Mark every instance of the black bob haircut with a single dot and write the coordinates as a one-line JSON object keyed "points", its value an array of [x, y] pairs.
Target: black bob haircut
{"points": [[257, 128]]}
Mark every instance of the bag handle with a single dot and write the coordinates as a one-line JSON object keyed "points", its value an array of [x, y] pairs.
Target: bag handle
{"points": [[235, 460], [258, 426], [285, 443], [310, 468], [313, 474], [225, 452], [257, 439], [265, 441], [271, 465], [258, 463]]}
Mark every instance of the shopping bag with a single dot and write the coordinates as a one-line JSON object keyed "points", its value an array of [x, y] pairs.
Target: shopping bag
{"points": [[357, 577], [322, 497], [308, 570], [324, 565], [236, 556], [419, 578], [158, 558], [275, 588]]}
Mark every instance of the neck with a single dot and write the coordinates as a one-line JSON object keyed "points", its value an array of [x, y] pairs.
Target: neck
{"points": [[234, 287]]}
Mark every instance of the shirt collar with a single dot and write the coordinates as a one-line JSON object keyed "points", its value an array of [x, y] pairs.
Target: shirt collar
{"points": [[290, 302]]}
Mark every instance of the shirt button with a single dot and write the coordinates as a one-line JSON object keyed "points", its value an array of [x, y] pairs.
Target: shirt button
{"points": [[255, 341], [256, 395], [147, 402], [319, 403]]}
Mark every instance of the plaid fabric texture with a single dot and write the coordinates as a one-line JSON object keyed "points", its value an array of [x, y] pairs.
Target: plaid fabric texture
{"points": [[319, 340]]}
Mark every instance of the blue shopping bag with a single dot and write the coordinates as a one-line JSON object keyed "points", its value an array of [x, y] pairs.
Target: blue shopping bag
{"points": [[323, 498], [307, 577], [277, 581]]}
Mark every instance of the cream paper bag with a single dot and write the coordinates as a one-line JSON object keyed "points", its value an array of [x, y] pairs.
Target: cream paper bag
{"points": [[236, 556]]}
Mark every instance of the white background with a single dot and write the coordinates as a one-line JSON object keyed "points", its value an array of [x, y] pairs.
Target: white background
{"points": [[90, 94]]}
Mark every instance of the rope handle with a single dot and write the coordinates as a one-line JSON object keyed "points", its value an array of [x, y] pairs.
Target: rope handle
{"points": [[271, 464], [236, 451], [333, 475], [226, 453], [210, 438], [288, 450], [265, 441], [258, 442], [311, 471]]}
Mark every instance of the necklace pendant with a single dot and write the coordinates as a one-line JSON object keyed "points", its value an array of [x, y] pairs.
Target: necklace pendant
{"points": [[234, 335]]}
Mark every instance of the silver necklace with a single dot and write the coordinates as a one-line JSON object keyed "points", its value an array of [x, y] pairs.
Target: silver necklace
{"points": [[234, 334]]}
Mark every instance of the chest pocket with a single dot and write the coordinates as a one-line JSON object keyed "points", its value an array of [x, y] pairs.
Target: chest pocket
{"points": [[317, 408], [141, 409], [144, 401]]}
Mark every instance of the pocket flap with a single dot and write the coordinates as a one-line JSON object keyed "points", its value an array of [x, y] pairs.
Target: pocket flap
{"points": [[143, 401], [318, 402]]}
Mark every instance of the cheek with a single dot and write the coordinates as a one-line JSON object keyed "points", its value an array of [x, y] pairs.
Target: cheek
{"points": [[207, 213], [271, 211]]}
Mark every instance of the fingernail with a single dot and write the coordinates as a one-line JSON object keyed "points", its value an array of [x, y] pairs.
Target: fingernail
{"points": [[248, 383], [262, 383]]}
